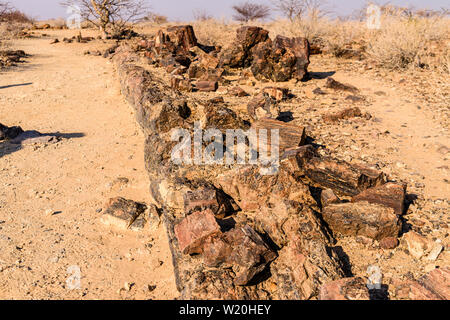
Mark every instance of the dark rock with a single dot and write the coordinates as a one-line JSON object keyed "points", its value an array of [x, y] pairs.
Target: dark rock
{"points": [[362, 218], [9, 132], [344, 114], [206, 86], [239, 55], [121, 212], [390, 195], [282, 60], [242, 249], [335, 85], [343, 178]]}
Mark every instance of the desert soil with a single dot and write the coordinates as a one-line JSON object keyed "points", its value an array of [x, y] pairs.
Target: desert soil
{"points": [[61, 90]]}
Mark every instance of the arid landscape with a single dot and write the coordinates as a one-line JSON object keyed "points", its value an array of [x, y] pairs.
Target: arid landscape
{"points": [[92, 205]]}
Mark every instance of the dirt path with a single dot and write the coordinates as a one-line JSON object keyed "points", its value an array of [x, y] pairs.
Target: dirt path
{"points": [[61, 91]]}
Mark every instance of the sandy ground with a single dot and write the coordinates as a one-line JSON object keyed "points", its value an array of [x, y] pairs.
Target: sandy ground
{"points": [[61, 90]]}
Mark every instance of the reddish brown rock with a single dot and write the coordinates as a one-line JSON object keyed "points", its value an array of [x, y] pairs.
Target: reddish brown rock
{"points": [[206, 86], [242, 249], [435, 285], [389, 243], [238, 92], [281, 60], [362, 218], [253, 191], [412, 290], [293, 159], [333, 84], [390, 195], [263, 106], [296, 274], [209, 198], [193, 230], [279, 94], [181, 36], [238, 55], [438, 281], [181, 84], [328, 197], [341, 115], [345, 289], [343, 178], [290, 135]]}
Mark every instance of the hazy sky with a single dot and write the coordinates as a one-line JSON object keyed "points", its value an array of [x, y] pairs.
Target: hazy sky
{"points": [[182, 9]]}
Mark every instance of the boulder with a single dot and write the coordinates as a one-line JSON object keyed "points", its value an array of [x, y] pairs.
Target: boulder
{"points": [[238, 92], [239, 55], [417, 244], [281, 60], [206, 86], [180, 37]]}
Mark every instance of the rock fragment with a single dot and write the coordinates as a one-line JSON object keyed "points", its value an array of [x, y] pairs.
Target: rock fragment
{"points": [[362, 218]]}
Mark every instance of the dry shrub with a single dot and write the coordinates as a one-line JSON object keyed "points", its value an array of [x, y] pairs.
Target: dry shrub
{"points": [[12, 30], [59, 23], [15, 16], [404, 42], [214, 32], [155, 18], [332, 36]]}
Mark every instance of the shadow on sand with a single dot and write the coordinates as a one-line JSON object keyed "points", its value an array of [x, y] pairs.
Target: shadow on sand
{"points": [[34, 137]]}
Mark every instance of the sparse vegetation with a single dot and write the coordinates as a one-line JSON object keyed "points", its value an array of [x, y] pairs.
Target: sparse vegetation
{"points": [[155, 18], [201, 15]]}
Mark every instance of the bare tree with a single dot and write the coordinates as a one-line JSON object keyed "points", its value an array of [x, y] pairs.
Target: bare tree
{"points": [[201, 15], [294, 9], [110, 16], [247, 11], [5, 9], [290, 8]]}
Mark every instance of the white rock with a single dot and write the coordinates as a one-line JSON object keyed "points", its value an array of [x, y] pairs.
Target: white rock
{"points": [[435, 252]]}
